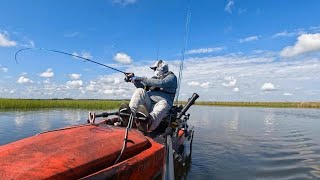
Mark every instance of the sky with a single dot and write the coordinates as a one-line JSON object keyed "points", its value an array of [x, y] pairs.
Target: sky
{"points": [[236, 50]]}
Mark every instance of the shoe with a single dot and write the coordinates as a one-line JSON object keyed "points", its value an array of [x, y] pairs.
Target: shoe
{"points": [[124, 114], [142, 119]]}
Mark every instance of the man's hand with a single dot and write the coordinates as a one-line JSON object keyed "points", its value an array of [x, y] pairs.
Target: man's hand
{"points": [[133, 79], [128, 77]]}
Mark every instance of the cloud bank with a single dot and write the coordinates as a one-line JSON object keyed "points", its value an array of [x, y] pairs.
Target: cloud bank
{"points": [[306, 43], [5, 41]]}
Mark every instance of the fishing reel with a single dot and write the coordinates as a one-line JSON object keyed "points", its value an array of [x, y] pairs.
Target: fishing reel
{"points": [[128, 77]]}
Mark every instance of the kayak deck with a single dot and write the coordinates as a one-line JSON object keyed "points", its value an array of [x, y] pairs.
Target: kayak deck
{"points": [[69, 153]]}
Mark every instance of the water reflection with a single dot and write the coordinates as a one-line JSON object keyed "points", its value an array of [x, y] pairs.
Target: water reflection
{"points": [[44, 124], [234, 121], [229, 142], [254, 143], [73, 118], [19, 120], [269, 121]]}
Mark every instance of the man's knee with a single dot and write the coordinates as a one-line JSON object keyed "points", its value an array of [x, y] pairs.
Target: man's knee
{"points": [[163, 105], [140, 91]]}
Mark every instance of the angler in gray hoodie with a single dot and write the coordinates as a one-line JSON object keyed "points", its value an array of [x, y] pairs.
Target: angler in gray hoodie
{"points": [[156, 94]]}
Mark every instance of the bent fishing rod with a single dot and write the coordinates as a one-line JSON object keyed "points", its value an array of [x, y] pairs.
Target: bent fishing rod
{"points": [[69, 54]]}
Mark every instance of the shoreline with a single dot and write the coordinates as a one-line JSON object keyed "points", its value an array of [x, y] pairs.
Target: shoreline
{"points": [[314, 105], [108, 104], [36, 104]]}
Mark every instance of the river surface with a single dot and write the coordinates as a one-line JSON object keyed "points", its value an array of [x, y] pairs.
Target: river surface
{"points": [[229, 142]]}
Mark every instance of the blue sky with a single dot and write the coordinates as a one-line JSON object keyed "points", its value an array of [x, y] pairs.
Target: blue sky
{"points": [[237, 50]]}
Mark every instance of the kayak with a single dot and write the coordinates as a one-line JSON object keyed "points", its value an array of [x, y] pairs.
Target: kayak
{"points": [[99, 151]]}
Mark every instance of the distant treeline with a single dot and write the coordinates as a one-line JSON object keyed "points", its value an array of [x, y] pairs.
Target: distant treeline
{"points": [[264, 104], [28, 104]]}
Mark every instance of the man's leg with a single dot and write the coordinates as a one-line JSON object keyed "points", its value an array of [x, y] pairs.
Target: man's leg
{"points": [[140, 97], [160, 110]]}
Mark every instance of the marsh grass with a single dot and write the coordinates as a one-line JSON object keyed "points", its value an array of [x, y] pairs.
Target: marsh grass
{"points": [[36, 104], [264, 104]]}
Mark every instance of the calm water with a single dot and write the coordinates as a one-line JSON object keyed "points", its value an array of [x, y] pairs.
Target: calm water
{"points": [[229, 142]]}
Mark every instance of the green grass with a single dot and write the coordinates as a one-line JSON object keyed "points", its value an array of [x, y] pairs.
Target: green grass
{"points": [[264, 104], [38, 104], [33, 104]]}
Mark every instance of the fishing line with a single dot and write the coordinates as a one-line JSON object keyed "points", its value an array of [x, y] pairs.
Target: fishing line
{"points": [[65, 53], [183, 52]]}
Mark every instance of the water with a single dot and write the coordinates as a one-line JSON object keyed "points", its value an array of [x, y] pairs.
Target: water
{"points": [[229, 142]]}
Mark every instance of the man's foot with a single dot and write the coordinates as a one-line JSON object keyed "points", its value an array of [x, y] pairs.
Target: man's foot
{"points": [[124, 114], [142, 119]]}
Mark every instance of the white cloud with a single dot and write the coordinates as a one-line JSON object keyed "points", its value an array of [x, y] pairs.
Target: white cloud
{"points": [[295, 32], [72, 34], [108, 91], [74, 84], [74, 76], [92, 86], [205, 85], [4, 69], [287, 94], [117, 81], [204, 50], [285, 34], [248, 39], [247, 72], [202, 85], [123, 58], [5, 41], [124, 2], [231, 81], [235, 89], [242, 10], [83, 54], [24, 80], [32, 44], [47, 81], [87, 55], [47, 74], [76, 54], [193, 83], [229, 6], [305, 43], [268, 87]]}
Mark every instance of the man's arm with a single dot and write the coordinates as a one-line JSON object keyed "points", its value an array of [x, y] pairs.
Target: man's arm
{"points": [[129, 78], [168, 81], [138, 84]]}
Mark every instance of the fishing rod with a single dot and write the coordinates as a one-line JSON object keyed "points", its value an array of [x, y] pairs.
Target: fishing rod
{"points": [[183, 52], [69, 54]]}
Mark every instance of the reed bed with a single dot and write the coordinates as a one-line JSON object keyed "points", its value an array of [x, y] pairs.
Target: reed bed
{"points": [[264, 104], [30, 104]]}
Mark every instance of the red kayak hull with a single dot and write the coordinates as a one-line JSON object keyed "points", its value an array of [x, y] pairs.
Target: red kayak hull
{"points": [[70, 153], [145, 165]]}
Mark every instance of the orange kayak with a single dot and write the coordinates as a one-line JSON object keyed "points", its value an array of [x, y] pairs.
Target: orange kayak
{"points": [[99, 151], [77, 152], [87, 151]]}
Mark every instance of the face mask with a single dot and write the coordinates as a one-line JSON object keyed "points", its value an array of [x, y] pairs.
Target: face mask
{"points": [[158, 73], [161, 69]]}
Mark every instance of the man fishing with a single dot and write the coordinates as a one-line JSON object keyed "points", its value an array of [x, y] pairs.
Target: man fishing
{"points": [[153, 97]]}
